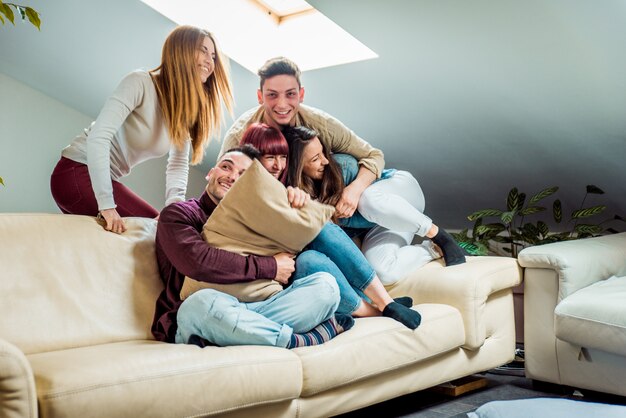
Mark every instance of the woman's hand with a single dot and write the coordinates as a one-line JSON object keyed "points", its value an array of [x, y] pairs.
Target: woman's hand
{"points": [[114, 222], [349, 201], [297, 197]]}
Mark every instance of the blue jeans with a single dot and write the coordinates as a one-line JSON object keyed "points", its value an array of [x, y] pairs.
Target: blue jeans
{"points": [[350, 169], [223, 320], [332, 251]]}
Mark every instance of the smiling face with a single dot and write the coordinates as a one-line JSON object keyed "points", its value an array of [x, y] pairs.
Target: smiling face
{"points": [[281, 96], [275, 164], [205, 59], [222, 177], [314, 160]]}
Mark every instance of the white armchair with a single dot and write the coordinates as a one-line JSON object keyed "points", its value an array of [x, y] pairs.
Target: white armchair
{"points": [[575, 313]]}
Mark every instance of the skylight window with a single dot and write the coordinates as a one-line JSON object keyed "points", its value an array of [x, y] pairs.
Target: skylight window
{"points": [[252, 31]]}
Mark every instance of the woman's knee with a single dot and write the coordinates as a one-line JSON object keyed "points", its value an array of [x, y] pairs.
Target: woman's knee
{"points": [[310, 261]]}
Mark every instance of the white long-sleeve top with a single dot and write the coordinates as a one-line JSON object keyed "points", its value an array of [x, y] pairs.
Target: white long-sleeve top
{"points": [[130, 129]]}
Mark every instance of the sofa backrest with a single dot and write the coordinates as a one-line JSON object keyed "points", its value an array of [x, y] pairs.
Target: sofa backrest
{"points": [[66, 282]]}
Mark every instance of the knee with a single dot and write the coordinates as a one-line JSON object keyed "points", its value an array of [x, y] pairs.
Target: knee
{"points": [[310, 260], [327, 289], [371, 198], [206, 300]]}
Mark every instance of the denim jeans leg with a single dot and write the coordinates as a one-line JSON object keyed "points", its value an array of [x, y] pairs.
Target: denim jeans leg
{"points": [[334, 243], [310, 262], [223, 320], [304, 305]]}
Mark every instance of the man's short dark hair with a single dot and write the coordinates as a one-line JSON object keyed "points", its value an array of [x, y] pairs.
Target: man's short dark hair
{"points": [[248, 150], [292, 133], [278, 66]]}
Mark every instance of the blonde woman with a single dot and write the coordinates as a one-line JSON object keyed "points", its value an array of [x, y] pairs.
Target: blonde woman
{"points": [[174, 109]]}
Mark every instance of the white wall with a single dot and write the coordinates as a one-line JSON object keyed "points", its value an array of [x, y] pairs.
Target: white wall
{"points": [[34, 128]]}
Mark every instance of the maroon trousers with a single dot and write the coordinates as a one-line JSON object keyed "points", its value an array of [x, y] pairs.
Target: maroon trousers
{"points": [[72, 191]]}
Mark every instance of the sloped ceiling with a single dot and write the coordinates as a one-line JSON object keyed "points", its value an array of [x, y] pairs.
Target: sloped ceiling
{"points": [[473, 97]]}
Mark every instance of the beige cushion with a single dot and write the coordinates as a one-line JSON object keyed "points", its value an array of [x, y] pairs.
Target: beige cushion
{"points": [[378, 345], [154, 379], [255, 217], [595, 317], [66, 282]]}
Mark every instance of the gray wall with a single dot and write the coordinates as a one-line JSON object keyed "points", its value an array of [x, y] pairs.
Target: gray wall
{"points": [[473, 97], [35, 128]]}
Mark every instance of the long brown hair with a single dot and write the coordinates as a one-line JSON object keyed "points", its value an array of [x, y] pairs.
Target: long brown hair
{"points": [[191, 109], [327, 190]]}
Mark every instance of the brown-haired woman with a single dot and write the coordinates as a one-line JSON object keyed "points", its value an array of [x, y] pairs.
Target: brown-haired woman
{"points": [[175, 109], [392, 207]]}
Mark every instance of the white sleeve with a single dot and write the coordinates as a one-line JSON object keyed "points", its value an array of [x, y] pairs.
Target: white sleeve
{"points": [[127, 96], [177, 173]]}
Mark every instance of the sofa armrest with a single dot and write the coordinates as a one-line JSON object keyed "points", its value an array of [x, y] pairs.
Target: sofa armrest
{"points": [[467, 287], [579, 263], [18, 397]]}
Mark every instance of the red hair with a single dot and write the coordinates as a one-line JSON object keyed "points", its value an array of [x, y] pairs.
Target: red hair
{"points": [[268, 140]]}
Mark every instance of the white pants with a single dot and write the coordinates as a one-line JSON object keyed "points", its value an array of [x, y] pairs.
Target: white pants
{"points": [[396, 204]]}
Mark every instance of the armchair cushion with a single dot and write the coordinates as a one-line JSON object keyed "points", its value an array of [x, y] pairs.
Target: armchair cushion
{"points": [[579, 263], [595, 317]]}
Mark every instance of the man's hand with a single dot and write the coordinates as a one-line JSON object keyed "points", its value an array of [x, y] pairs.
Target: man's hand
{"points": [[297, 197], [285, 265], [114, 222]]}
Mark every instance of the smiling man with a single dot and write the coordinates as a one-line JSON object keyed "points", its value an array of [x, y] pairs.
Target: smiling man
{"points": [[280, 99], [301, 314]]}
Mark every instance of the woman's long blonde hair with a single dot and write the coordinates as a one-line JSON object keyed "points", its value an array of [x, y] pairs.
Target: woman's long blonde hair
{"points": [[191, 109]]}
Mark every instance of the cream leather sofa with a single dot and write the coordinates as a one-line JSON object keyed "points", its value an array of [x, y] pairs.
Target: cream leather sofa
{"points": [[575, 313], [76, 306]]}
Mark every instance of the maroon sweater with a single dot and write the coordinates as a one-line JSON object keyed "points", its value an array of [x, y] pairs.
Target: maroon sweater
{"points": [[181, 252]]}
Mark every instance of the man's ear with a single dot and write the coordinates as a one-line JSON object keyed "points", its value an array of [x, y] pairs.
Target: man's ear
{"points": [[301, 94], [209, 174], [259, 96]]}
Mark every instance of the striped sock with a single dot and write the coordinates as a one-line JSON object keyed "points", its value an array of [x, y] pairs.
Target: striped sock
{"points": [[325, 331]]}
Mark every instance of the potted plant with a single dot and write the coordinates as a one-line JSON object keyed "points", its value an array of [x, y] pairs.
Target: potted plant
{"points": [[512, 231]]}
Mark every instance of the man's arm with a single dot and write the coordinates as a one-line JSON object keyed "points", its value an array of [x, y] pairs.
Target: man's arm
{"points": [[340, 139], [178, 235]]}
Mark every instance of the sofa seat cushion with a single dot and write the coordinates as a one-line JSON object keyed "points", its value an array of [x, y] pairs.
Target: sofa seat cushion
{"points": [[376, 345], [595, 316], [466, 286], [154, 379]]}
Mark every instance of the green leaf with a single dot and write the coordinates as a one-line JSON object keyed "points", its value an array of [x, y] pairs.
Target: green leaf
{"points": [[557, 211], [588, 229], [474, 248], [1, 181], [507, 217], [8, 12], [483, 229], [543, 228], [619, 218], [1, 18], [532, 209], [33, 17], [584, 213], [512, 200], [594, 189], [543, 194], [482, 213]]}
